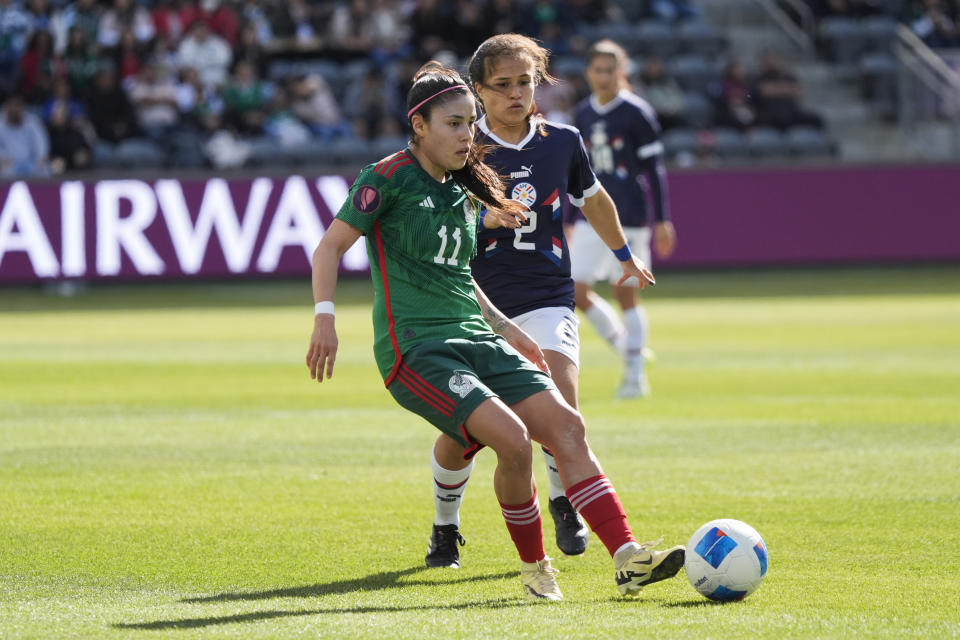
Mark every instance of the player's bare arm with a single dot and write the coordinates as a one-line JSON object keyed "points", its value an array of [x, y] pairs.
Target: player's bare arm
{"points": [[322, 352], [513, 334], [664, 238], [601, 213], [494, 317]]}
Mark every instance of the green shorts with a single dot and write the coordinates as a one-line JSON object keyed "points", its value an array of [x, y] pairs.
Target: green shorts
{"points": [[444, 381]]}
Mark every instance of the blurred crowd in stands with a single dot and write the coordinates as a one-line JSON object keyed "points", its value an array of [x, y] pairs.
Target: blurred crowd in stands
{"points": [[936, 22], [189, 83]]}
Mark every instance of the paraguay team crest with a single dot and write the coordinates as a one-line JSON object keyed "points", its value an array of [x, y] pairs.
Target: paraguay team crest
{"points": [[525, 193], [461, 384]]}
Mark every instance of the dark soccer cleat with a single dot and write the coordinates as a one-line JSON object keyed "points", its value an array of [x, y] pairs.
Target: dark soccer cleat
{"points": [[443, 551], [572, 533]]}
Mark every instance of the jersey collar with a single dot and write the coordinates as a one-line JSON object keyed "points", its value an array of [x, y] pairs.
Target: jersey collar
{"points": [[426, 175], [482, 123], [604, 109]]}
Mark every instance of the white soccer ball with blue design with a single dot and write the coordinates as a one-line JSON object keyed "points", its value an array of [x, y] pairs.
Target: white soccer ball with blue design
{"points": [[726, 560]]}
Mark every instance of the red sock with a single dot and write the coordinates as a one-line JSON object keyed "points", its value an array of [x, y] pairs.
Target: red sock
{"points": [[597, 501], [524, 524]]}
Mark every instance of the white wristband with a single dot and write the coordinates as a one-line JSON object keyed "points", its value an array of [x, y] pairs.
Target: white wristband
{"points": [[323, 307]]}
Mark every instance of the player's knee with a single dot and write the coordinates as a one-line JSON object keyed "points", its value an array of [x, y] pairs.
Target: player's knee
{"points": [[569, 433], [515, 455]]}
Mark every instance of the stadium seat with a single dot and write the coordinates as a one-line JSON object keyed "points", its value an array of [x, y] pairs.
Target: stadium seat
{"points": [[103, 154], [766, 142], [680, 141], [728, 143], [656, 39], [267, 152], [700, 38], [138, 153], [878, 82], [632, 10], [186, 150], [311, 152], [356, 70], [843, 39], [350, 151], [699, 113], [382, 147], [894, 7], [693, 72], [283, 68], [567, 65], [808, 141], [879, 33], [618, 31]]}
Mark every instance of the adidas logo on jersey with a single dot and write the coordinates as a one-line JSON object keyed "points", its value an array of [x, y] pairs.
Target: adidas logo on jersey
{"points": [[427, 202]]}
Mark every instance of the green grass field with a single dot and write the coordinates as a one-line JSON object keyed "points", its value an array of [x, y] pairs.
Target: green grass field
{"points": [[168, 470]]}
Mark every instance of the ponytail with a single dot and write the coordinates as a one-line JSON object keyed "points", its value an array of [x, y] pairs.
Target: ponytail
{"points": [[483, 182]]}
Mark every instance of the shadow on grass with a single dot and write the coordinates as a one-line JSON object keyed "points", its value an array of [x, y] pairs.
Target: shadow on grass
{"points": [[725, 282], [695, 604], [257, 616], [372, 582]]}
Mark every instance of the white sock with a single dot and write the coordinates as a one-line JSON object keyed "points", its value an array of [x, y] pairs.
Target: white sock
{"points": [[605, 320], [635, 321], [448, 488], [626, 550], [556, 487]]}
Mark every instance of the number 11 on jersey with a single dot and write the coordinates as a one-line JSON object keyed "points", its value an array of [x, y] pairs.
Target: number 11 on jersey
{"points": [[452, 260]]}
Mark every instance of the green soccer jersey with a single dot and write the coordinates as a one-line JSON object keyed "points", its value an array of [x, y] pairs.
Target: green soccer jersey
{"points": [[421, 235]]}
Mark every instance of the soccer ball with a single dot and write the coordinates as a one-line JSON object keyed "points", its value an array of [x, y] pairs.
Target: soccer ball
{"points": [[726, 560]]}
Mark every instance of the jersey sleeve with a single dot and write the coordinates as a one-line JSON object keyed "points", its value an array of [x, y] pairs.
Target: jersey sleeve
{"points": [[370, 197], [646, 131], [581, 181], [646, 134]]}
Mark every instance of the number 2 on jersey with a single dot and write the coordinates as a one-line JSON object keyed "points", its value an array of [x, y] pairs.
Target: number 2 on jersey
{"points": [[439, 259], [527, 227]]}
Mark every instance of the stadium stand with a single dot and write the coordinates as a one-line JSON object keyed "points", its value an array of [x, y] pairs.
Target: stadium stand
{"points": [[149, 84]]}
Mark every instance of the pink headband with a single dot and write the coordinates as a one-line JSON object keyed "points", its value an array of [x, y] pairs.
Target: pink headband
{"points": [[414, 110]]}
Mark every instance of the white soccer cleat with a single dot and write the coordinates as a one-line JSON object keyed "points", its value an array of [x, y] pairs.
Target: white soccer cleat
{"points": [[634, 383], [540, 580], [645, 566], [639, 389]]}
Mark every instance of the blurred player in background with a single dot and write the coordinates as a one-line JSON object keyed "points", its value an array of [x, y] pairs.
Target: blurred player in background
{"points": [[435, 345], [623, 137], [526, 274]]}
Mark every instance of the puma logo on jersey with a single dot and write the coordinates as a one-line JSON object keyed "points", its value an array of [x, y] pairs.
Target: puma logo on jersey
{"points": [[525, 172], [428, 203]]}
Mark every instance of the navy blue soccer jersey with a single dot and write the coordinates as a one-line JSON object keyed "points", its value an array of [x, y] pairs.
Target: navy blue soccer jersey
{"points": [[529, 268], [623, 138]]}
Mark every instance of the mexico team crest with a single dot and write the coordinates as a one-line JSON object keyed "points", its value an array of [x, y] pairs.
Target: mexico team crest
{"points": [[461, 384], [525, 193], [468, 211]]}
